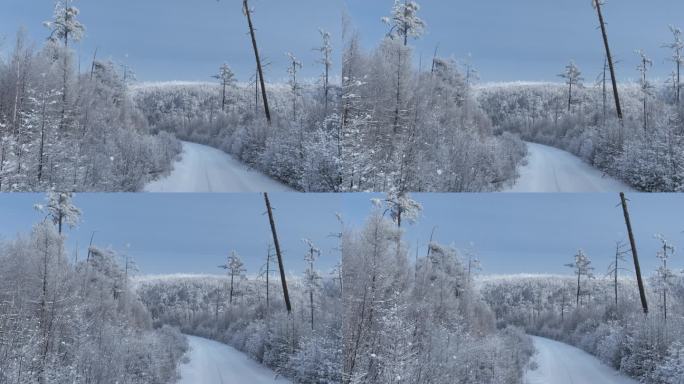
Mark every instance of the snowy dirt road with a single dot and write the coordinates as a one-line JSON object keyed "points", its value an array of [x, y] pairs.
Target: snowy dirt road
{"points": [[553, 170], [560, 363], [215, 363], [205, 169]]}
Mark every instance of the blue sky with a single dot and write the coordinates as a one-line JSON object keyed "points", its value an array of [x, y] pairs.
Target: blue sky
{"points": [[509, 40], [517, 233]]}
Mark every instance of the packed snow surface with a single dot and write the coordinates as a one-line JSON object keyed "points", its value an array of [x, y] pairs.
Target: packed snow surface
{"points": [[559, 363], [206, 169], [215, 363], [550, 169]]}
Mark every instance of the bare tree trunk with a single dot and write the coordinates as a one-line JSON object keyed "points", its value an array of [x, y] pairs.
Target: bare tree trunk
{"points": [[232, 276], [632, 242], [604, 91], [223, 97], [579, 277], [278, 253], [268, 272], [665, 287], [679, 82], [65, 71], [216, 310], [617, 257], [397, 109], [260, 70], [42, 136]]}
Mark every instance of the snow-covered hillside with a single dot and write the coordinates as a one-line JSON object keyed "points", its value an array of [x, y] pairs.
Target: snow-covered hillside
{"points": [[205, 169], [211, 362]]}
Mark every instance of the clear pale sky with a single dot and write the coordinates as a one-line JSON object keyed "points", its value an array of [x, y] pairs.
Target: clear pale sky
{"points": [[517, 233], [509, 40]]}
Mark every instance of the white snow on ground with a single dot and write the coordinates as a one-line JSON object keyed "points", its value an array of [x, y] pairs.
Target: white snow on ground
{"points": [[553, 170], [215, 363], [206, 169], [559, 363]]}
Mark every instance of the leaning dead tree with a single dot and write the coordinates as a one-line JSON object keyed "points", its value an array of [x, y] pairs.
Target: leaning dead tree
{"points": [[278, 253], [597, 5], [248, 13], [632, 243]]}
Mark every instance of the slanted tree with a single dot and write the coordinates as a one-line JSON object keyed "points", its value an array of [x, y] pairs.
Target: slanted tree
{"points": [[260, 70], [279, 254], [66, 28], [644, 84], [312, 278], [597, 4], [677, 47], [227, 79], [635, 255], [573, 78], [582, 268], [235, 268], [664, 275]]}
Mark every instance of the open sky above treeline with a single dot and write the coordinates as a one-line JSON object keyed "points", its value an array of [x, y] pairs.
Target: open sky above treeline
{"points": [[511, 234], [527, 40]]}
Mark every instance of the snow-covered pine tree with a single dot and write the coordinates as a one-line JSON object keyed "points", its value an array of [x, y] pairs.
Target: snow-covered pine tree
{"points": [[65, 27], [404, 21], [573, 78], [235, 268], [227, 79], [61, 210], [582, 268]]}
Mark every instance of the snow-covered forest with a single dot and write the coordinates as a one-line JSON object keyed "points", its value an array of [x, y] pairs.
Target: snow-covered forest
{"points": [[647, 157], [386, 125], [68, 127], [246, 310], [422, 319], [600, 311], [69, 318], [379, 120]]}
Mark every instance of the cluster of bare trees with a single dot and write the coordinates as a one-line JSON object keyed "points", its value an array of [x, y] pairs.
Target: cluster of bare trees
{"points": [[77, 320]]}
